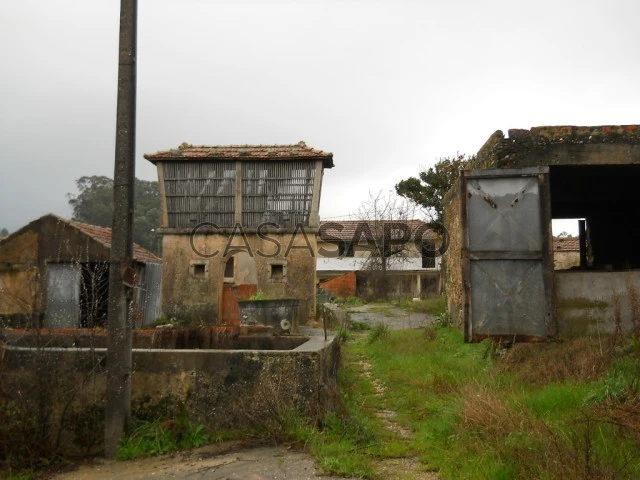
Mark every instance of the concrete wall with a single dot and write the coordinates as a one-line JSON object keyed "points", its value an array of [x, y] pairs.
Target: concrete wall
{"points": [[63, 389], [374, 285], [565, 260], [596, 302], [186, 296]]}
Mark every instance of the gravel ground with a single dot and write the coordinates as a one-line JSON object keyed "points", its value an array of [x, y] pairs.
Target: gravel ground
{"points": [[395, 318]]}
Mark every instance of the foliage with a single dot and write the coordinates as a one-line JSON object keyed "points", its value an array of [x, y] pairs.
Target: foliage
{"points": [[469, 417], [260, 295], [378, 332], [93, 204], [158, 437], [435, 305], [351, 301], [4, 233], [429, 189]]}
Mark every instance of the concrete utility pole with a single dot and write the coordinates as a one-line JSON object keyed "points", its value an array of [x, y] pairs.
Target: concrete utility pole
{"points": [[119, 365]]}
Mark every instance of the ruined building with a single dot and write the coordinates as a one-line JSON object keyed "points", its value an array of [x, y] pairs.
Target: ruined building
{"points": [[500, 277], [238, 220]]}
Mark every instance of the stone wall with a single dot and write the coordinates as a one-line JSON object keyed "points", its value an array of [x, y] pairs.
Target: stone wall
{"points": [[561, 145], [452, 261], [196, 297], [62, 390]]}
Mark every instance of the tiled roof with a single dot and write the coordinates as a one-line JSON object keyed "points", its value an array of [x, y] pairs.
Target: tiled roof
{"points": [[345, 230], [566, 244], [297, 151], [103, 236]]}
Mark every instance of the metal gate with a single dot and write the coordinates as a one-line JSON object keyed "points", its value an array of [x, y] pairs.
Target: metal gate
{"points": [[63, 296], [507, 262]]}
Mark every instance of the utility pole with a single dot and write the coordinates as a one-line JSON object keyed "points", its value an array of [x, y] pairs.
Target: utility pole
{"points": [[119, 364]]}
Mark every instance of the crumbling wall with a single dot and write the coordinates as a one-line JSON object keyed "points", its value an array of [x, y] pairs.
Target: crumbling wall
{"points": [[188, 296], [561, 145], [452, 261], [58, 394]]}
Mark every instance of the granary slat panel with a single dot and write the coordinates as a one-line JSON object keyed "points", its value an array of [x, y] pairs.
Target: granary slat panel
{"points": [[200, 192], [277, 192]]}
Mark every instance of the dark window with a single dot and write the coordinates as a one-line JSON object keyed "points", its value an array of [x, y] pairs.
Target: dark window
{"points": [[228, 268], [199, 270], [428, 255], [277, 272], [345, 249]]}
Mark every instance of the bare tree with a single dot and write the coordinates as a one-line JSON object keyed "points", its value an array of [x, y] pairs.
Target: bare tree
{"points": [[390, 228]]}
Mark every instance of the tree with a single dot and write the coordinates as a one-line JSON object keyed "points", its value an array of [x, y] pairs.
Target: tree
{"points": [[4, 233], [429, 189], [389, 227], [93, 204]]}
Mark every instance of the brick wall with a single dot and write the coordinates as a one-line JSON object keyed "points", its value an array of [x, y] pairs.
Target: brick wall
{"points": [[343, 286]]}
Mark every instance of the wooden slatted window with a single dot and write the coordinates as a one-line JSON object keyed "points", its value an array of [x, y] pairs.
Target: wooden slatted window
{"points": [[202, 192], [277, 192]]}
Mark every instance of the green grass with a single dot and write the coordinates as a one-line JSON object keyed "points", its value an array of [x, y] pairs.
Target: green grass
{"points": [[433, 305], [471, 417], [158, 437]]}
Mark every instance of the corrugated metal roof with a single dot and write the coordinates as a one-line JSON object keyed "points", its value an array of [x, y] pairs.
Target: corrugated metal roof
{"points": [[296, 151]]}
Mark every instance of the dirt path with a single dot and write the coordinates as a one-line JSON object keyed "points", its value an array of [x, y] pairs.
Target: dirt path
{"points": [[403, 468], [213, 462], [394, 317]]}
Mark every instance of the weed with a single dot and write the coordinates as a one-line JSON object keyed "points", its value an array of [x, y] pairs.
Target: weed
{"points": [[350, 301], [359, 326], [432, 305], [378, 332], [158, 437], [343, 334], [443, 320], [260, 295]]}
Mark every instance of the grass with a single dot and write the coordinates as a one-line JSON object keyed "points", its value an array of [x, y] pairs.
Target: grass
{"points": [[433, 305], [158, 437], [534, 411]]}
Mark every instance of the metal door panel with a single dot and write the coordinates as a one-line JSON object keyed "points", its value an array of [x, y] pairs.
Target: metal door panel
{"points": [[508, 298], [506, 255], [63, 296]]}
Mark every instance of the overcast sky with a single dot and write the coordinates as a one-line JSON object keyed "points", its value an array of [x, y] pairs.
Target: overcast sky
{"points": [[387, 86]]}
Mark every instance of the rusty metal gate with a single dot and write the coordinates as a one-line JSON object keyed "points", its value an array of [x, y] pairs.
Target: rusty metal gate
{"points": [[507, 262]]}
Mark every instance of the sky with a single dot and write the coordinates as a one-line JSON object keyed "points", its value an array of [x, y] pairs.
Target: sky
{"points": [[388, 86]]}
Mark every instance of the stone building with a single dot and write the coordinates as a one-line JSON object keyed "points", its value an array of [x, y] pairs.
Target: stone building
{"points": [[500, 277], [236, 221], [54, 273]]}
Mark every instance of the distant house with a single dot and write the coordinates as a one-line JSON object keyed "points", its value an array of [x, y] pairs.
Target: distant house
{"points": [[237, 220], [412, 266], [54, 273], [566, 252]]}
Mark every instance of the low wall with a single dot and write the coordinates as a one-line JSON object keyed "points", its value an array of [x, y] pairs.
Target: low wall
{"points": [[589, 302], [61, 391], [372, 285]]}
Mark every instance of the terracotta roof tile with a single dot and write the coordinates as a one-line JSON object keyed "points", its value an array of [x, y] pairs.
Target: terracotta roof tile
{"points": [[345, 230], [297, 151], [103, 236], [566, 244]]}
